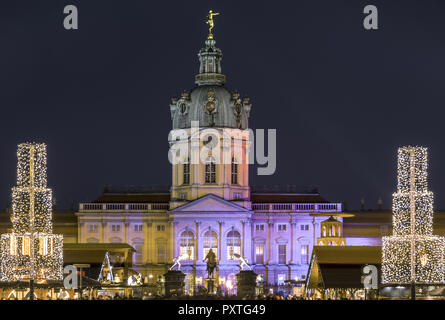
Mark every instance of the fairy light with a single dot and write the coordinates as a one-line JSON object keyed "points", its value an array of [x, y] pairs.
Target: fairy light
{"points": [[412, 254], [31, 251]]}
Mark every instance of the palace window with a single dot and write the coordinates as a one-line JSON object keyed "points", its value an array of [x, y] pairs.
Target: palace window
{"points": [[210, 241], [161, 248], [234, 171], [304, 254], [259, 253], [115, 227], [282, 254], [93, 227], [259, 227], [186, 172], [210, 170], [237, 195], [282, 227], [160, 227], [138, 228], [138, 246], [187, 244], [233, 244], [281, 279], [304, 227]]}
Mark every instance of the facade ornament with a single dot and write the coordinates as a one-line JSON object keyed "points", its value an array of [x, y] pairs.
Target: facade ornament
{"points": [[182, 103], [210, 107], [237, 109]]}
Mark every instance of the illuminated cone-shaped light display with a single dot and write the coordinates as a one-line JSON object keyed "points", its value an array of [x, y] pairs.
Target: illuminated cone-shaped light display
{"points": [[31, 251], [412, 254]]}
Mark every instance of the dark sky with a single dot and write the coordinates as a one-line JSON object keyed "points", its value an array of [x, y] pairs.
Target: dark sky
{"points": [[342, 99]]}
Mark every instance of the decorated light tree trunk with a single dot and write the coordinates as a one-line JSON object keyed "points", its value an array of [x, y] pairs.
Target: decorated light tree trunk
{"points": [[412, 255], [31, 251]]}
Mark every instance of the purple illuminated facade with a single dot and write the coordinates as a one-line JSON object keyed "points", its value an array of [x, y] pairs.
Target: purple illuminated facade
{"points": [[211, 205]]}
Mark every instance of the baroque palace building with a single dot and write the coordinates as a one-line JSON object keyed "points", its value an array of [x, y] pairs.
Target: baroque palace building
{"points": [[210, 204]]}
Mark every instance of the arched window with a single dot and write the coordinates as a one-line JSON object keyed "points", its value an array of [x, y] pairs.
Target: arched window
{"points": [[210, 241], [234, 171], [187, 244], [186, 172], [210, 170], [233, 244]]}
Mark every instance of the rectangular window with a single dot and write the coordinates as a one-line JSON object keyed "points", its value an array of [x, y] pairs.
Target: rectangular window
{"points": [[282, 227], [186, 173], [304, 227], [160, 227], [234, 173], [115, 227], [237, 195], [210, 172], [183, 195], [138, 228], [93, 227], [282, 254], [304, 254], [259, 227], [162, 252], [259, 253]]}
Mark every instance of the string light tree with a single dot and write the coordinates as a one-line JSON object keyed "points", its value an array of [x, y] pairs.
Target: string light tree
{"points": [[412, 255], [31, 252]]}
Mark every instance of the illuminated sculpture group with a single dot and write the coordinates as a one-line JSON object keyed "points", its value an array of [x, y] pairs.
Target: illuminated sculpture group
{"points": [[31, 251], [412, 255]]}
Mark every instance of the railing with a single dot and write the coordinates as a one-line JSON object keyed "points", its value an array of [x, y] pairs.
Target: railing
{"points": [[122, 207], [297, 207], [258, 207]]}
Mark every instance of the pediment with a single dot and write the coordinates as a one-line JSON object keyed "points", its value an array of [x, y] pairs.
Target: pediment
{"points": [[210, 203]]}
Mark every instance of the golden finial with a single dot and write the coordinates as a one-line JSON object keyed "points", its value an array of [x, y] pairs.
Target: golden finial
{"points": [[211, 23]]}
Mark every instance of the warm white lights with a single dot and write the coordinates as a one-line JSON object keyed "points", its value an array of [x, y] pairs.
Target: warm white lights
{"points": [[413, 254], [31, 251]]}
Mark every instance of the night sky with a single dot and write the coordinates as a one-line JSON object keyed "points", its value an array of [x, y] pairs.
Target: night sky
{"points": [[342, 98]]}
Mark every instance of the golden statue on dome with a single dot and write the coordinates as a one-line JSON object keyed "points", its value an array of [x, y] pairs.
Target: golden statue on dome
{"points": [[210, 22]]}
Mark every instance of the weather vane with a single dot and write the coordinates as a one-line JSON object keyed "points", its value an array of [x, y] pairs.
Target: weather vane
{"points": [[211, 23]]}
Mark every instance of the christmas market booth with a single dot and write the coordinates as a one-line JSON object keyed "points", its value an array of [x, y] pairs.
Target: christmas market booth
{"points": [[335, 272]]}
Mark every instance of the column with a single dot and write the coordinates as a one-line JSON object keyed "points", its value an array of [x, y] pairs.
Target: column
{"points": [[102, 231], [269, 231], [243, 237], [220, 224], [293, 231], [172, 252], [126, 225], [147, 226], [197, 254], [79, 232]]}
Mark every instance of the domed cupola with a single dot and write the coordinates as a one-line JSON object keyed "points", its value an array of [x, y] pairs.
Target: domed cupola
{"points": [[210, 102], [221, 169], [210, 65]]}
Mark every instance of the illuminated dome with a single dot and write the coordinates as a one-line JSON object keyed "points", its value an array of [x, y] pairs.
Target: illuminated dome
{"points": [[210, 102]]}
